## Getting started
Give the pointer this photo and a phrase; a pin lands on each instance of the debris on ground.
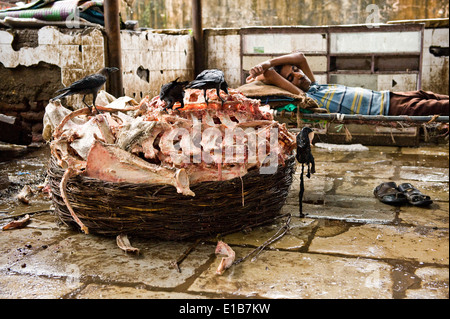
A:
(124, 243)
(17, 223)
(25, 194)
(223, 249)
(342, 147)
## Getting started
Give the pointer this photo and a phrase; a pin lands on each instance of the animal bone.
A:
(226, 262)
(25, 194)
(17, 223)
(124, 243)
(70, 172)
(112, 164)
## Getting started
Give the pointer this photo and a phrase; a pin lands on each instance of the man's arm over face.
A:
(264, 72)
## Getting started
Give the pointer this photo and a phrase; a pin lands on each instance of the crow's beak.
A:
(113, 69)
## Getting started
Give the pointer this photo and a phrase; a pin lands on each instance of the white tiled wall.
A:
(165, 58)
(77, 53)
(168, 56)
(435, 71)
(223, 52)
(375, 42)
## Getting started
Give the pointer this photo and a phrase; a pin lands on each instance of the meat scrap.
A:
(112, 164)
(124, 243)
(223, 249)
(70, 172)
(233, 137)
(208, 142)
(148, 143)
(17, 223)
(25, 194)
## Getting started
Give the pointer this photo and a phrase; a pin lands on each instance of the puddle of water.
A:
(10, 151)
(422, 160)
(404, 278)
(331, 228)
(15, 173)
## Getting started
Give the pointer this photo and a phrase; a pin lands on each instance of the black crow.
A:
(173, 92)
(90, 84)
(439, 51)
(304, 156)
(210, 79)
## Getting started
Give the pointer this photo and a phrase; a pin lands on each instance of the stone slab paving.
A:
(350, 245)
(279, 274)
(426, 245)
(436, 216)
(85, 256)
(15, 286)
(105, 291)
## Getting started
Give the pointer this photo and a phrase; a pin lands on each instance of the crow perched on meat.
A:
(173, 92)
(90, 84)
(210, 79)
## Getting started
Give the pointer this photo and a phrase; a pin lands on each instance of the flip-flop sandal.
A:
(414, 196)
(388, 193)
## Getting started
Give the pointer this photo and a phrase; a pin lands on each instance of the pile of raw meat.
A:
(142, 143)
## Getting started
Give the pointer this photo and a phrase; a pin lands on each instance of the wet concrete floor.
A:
(349, 246)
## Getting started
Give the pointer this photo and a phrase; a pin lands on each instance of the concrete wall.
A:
(435, 69)
(34, 63)
(176, 14)
(76, 53)
(223, 51)
(150, 60)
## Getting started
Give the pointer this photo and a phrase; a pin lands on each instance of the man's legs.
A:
(418, 103)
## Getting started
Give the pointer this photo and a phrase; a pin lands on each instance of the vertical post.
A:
(113, 46)
(197, 29)
(419, 76)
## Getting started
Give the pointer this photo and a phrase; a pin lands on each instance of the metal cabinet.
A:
(385, 57)
(259, 44)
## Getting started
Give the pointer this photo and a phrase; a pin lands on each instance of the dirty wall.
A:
(151, 59)
(34, 63)
(223, 51)
(435, 70)
(170, 14)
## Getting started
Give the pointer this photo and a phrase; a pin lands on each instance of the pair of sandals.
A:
(390, 193)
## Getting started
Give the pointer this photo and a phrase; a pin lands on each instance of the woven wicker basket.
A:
(158, 211)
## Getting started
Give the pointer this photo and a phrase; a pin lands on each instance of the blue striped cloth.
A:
(349, 100)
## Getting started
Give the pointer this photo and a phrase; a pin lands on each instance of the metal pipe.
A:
(358, 117)
(113, 46)
(197, 30)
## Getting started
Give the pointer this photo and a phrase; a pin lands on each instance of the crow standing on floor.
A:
(304, 156)
(210, 79)
(173, 92)
(90, 84)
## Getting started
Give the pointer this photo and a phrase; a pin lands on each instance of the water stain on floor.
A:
(349, 245)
